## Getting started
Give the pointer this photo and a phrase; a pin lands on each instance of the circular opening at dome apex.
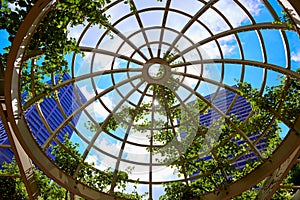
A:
(156, 71)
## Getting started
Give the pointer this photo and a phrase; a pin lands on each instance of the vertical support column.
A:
(26, 167)
(273, 182)
(24, 163)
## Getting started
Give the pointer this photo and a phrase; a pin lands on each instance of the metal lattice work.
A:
(147, 77)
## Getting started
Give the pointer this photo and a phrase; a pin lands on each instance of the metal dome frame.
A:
(15, 123)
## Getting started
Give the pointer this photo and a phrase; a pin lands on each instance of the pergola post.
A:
(24, 163)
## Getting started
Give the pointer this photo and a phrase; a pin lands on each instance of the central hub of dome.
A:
(156, 71)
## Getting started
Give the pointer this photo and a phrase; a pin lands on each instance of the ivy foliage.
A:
(285, 18)
(209, 174)
(69, 159)
(45, 56)
(283, 98)
(211, 168)
(295, 174)
(11, 187)
(49, 189)
(216, 170)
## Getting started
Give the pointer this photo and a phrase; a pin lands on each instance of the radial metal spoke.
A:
(240, 29)
(268, 66)
(114, 180)
(189, 24)
(66, 121)
(40, 96)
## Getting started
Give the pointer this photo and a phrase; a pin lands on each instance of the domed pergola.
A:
(141, 82)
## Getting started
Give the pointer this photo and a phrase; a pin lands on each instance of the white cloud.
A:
(216, 24)
(138, 136)
(102, 161)
(234, 13)
(159, 173)
(88, 95)
(295, 56)
(75, 31)
(92, 159)
(213, 20)
(13, 6)
(132, 153)
(253, 6)
(165, 173)
(228, 49)
(117, 11)
(101, 62)
(96, 109)
(210, 71)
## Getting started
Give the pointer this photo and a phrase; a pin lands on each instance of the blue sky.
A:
(4, 40)
(229, 46)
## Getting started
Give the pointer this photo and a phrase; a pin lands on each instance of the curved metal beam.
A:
(19, 126)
